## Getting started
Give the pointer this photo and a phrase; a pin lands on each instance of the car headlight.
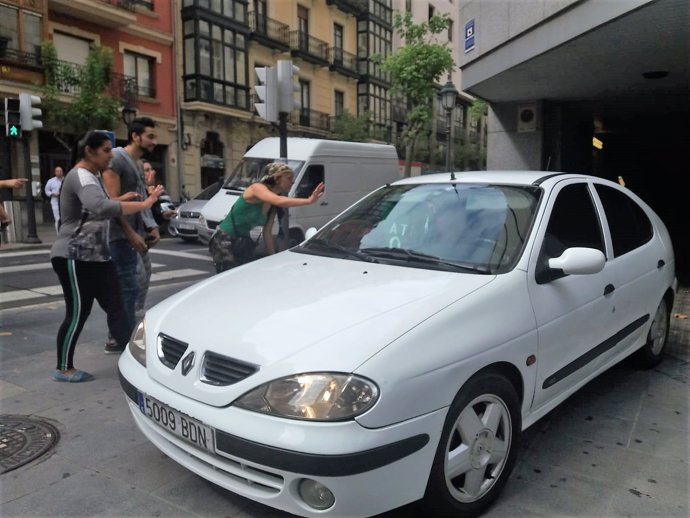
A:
(315, 396)
(202, 220)
(137, 343)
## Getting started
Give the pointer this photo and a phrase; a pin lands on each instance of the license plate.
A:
(185, 226)
(185, 427)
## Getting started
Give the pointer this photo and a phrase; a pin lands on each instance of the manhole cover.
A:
(23, 439)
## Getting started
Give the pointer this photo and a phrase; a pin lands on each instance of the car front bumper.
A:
(265, 458)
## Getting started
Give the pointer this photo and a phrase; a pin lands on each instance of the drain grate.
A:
(23, 439)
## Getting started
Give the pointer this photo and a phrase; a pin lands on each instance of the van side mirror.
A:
(311, 232)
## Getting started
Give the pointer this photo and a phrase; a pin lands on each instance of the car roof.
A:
(492, 177)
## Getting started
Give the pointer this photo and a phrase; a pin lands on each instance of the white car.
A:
(397, 354)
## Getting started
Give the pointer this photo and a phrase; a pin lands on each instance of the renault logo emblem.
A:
(187, 363)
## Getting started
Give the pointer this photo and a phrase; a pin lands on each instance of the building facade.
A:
(140, 35)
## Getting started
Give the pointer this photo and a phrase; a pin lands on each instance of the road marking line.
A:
(45, 291)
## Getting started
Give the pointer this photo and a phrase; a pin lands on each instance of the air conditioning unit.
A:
(527, 118)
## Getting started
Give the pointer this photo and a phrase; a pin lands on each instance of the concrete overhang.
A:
(571, 58)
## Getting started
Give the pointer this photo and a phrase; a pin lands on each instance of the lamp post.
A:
(448, 96)
(129, 113)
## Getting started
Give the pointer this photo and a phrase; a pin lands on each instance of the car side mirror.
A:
(579, 261)
(573, 261)
(311, 232)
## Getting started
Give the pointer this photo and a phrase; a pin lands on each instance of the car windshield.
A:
(209, 192)
(453, 227)
(250, 170)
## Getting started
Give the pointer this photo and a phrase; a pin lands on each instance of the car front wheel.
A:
(477, 449)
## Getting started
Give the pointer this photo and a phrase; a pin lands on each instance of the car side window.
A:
(573, 223)
(629, 225)
(312, 177)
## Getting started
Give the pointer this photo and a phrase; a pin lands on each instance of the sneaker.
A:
(113, 348)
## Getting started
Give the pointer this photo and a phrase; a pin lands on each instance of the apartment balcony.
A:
(308, 48)
(11, 56)
(269, 32)
(67, 78)
(106, 13)
(353, 7)
(343, 62)
(312, 119)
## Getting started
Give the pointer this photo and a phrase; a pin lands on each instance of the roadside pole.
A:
(31, 234)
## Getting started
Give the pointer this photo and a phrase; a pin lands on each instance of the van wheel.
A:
(652, 352)
(477, 449)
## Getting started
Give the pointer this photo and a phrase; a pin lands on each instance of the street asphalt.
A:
(619, 447)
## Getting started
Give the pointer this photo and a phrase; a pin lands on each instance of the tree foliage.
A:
(353, 128)
(93, 105)
(415, 69)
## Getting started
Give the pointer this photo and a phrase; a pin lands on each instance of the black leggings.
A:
(82, 282)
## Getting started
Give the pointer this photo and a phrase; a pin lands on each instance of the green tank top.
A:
(246, 215)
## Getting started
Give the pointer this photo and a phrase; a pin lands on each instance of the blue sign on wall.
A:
(469, 35)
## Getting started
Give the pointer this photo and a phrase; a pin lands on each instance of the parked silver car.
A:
(184, 224)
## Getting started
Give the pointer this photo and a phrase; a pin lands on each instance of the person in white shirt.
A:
(52, 190)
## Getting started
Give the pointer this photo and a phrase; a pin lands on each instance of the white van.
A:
(349, 171)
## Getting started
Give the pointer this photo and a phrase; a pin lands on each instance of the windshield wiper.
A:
(419, 257)
(325, 243)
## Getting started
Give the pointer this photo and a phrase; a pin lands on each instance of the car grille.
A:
(221, 370)
(170, 350)
(189, 214)
(211, 224)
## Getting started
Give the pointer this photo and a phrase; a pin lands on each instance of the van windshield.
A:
(250, 170)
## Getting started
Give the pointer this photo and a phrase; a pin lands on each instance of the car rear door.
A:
(574, 313)
(637, 261)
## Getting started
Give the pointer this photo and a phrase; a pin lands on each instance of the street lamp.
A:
(129, 113)
(448, 96)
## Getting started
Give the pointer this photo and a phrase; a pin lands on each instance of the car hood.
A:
(293, 313)
(192, 206)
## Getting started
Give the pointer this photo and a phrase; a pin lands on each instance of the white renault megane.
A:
(397, 354)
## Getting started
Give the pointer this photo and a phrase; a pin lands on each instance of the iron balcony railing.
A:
(67, 77)
(312, 119)
(308, 45)
(354, 7)
(269, 28)
(340, 59)
(17, 56)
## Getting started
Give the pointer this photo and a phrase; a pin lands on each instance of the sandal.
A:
(77, 377)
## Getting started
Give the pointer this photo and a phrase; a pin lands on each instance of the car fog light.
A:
(316, 495)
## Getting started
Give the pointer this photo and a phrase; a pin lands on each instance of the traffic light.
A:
(267, 90)
(287, 87)
(31, 115)
(13, 121)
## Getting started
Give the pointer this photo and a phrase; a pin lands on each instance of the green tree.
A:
(94, 105)
(353, 128)
(415, 70)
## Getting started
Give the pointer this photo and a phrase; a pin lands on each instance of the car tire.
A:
(652, 352)
(477, 449)
(296, 237)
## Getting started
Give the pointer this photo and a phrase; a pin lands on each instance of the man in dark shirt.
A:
(131, 236)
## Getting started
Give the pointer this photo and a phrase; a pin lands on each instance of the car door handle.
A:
(609, 289)
(661, 264)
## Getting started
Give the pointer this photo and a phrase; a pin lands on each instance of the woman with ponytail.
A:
(80, 255)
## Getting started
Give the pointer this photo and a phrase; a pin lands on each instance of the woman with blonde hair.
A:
(232, 245)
